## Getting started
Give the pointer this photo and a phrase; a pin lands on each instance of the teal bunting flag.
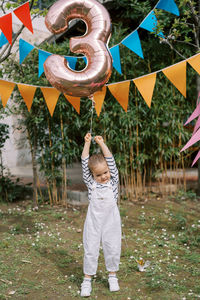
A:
(42, 57)
(3, 40)
(150, 23)
(116, 58)
(71, 61)
(132, 42)
(24, 49)
(168, 5)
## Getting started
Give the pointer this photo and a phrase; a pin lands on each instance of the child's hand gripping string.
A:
(99, 140)
(86, 147)
(88, 137)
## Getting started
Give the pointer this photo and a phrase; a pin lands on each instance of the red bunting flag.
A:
(23, 14)
(6, 26)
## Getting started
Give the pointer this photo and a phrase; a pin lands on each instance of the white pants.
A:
(102, 224)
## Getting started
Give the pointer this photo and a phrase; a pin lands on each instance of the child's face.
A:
(101, 173)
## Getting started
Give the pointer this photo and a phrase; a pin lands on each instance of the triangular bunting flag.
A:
(85, 59)
(194, 115)
(177, 75)
(51, 97)
(99, 99)
(42, 58)
(196, 158)
(195, 138)
(168, 5)
(27, 92)
(3, 40)
(72, 61)
(23, 14)
(195, 63)
(197, 125)
(145, 86)
(75, 102)
(6, 89)
(6, 26)
(121, 92)
(132, 42)
(116, 58)
(150, 23)
(24, 49)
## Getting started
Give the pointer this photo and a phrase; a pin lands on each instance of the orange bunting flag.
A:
(177, 75)
(23, 14)
(145, 85)
(75, 102)
(51, 97)
(27, 92)
(6, 26)
(121, 92)
(195, 63)
(6, 89)
(99, 99)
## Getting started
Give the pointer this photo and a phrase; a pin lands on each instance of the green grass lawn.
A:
(41, 251)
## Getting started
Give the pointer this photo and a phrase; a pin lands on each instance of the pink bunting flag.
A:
(194, 115)
(197, 125)
(196, 158)
(195, 138)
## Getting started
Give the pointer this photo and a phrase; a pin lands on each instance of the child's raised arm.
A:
(99, 140)
(86, 147)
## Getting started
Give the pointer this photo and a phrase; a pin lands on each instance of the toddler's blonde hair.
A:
(96, 159)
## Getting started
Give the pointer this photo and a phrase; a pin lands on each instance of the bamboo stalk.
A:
(64, 178)
(54, 188)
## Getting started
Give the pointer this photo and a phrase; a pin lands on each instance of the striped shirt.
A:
(89, 180)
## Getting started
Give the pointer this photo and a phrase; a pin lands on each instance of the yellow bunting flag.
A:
(27, 92)
(75, 102)
(121, 92)
(145, 85)
(51, 97)
(195, 63)
(6, 89)
(177, 75)
(99, 99)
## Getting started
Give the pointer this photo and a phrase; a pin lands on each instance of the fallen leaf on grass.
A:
(142, 265)
(6, 281)
(11, 292)
(26, 261)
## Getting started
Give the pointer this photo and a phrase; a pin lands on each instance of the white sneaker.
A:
(86, 287)
(113, 283)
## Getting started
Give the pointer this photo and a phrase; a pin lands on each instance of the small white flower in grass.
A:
(69, 287)
(33, 244)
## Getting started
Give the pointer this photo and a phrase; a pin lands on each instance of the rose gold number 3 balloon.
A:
(92, 44)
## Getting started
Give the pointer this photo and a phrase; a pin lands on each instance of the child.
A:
(102, 222)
